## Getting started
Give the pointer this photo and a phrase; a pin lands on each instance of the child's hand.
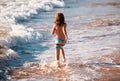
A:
(66, 38)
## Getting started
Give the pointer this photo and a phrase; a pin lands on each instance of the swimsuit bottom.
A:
(59, 43)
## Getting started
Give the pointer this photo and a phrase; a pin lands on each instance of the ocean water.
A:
(93, 28)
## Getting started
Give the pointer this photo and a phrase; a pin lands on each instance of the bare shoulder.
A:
(65, 25)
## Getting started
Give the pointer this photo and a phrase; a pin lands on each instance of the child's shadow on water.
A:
(28, 51)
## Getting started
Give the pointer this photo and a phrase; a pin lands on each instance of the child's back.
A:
(60, 31)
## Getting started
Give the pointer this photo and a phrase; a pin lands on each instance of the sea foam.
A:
(11, 12)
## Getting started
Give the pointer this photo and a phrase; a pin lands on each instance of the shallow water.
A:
(94, 35)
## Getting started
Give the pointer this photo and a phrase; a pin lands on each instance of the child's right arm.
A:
(53, 30)
(65, 32)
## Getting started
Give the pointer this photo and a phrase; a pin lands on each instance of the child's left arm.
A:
(53, 30)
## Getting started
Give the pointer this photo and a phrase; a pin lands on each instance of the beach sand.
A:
(107, 71)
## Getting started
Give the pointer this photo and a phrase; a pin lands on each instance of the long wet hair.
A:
(59, 19)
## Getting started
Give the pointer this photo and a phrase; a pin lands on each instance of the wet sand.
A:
(110, 71)
(105, 71)
(115, 4)
(38, 70)
(98, 22)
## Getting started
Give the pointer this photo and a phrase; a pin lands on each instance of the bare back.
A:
(60, 31)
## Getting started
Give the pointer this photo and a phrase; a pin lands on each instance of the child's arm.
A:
(65, 32)
(53, 30)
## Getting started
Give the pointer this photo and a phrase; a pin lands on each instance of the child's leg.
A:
(57, 54)
(57, 57)
(63, 55)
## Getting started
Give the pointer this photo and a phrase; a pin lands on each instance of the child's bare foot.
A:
(64, 60)
(58, 64)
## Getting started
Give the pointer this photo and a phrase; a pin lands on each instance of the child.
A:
(59, 30)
